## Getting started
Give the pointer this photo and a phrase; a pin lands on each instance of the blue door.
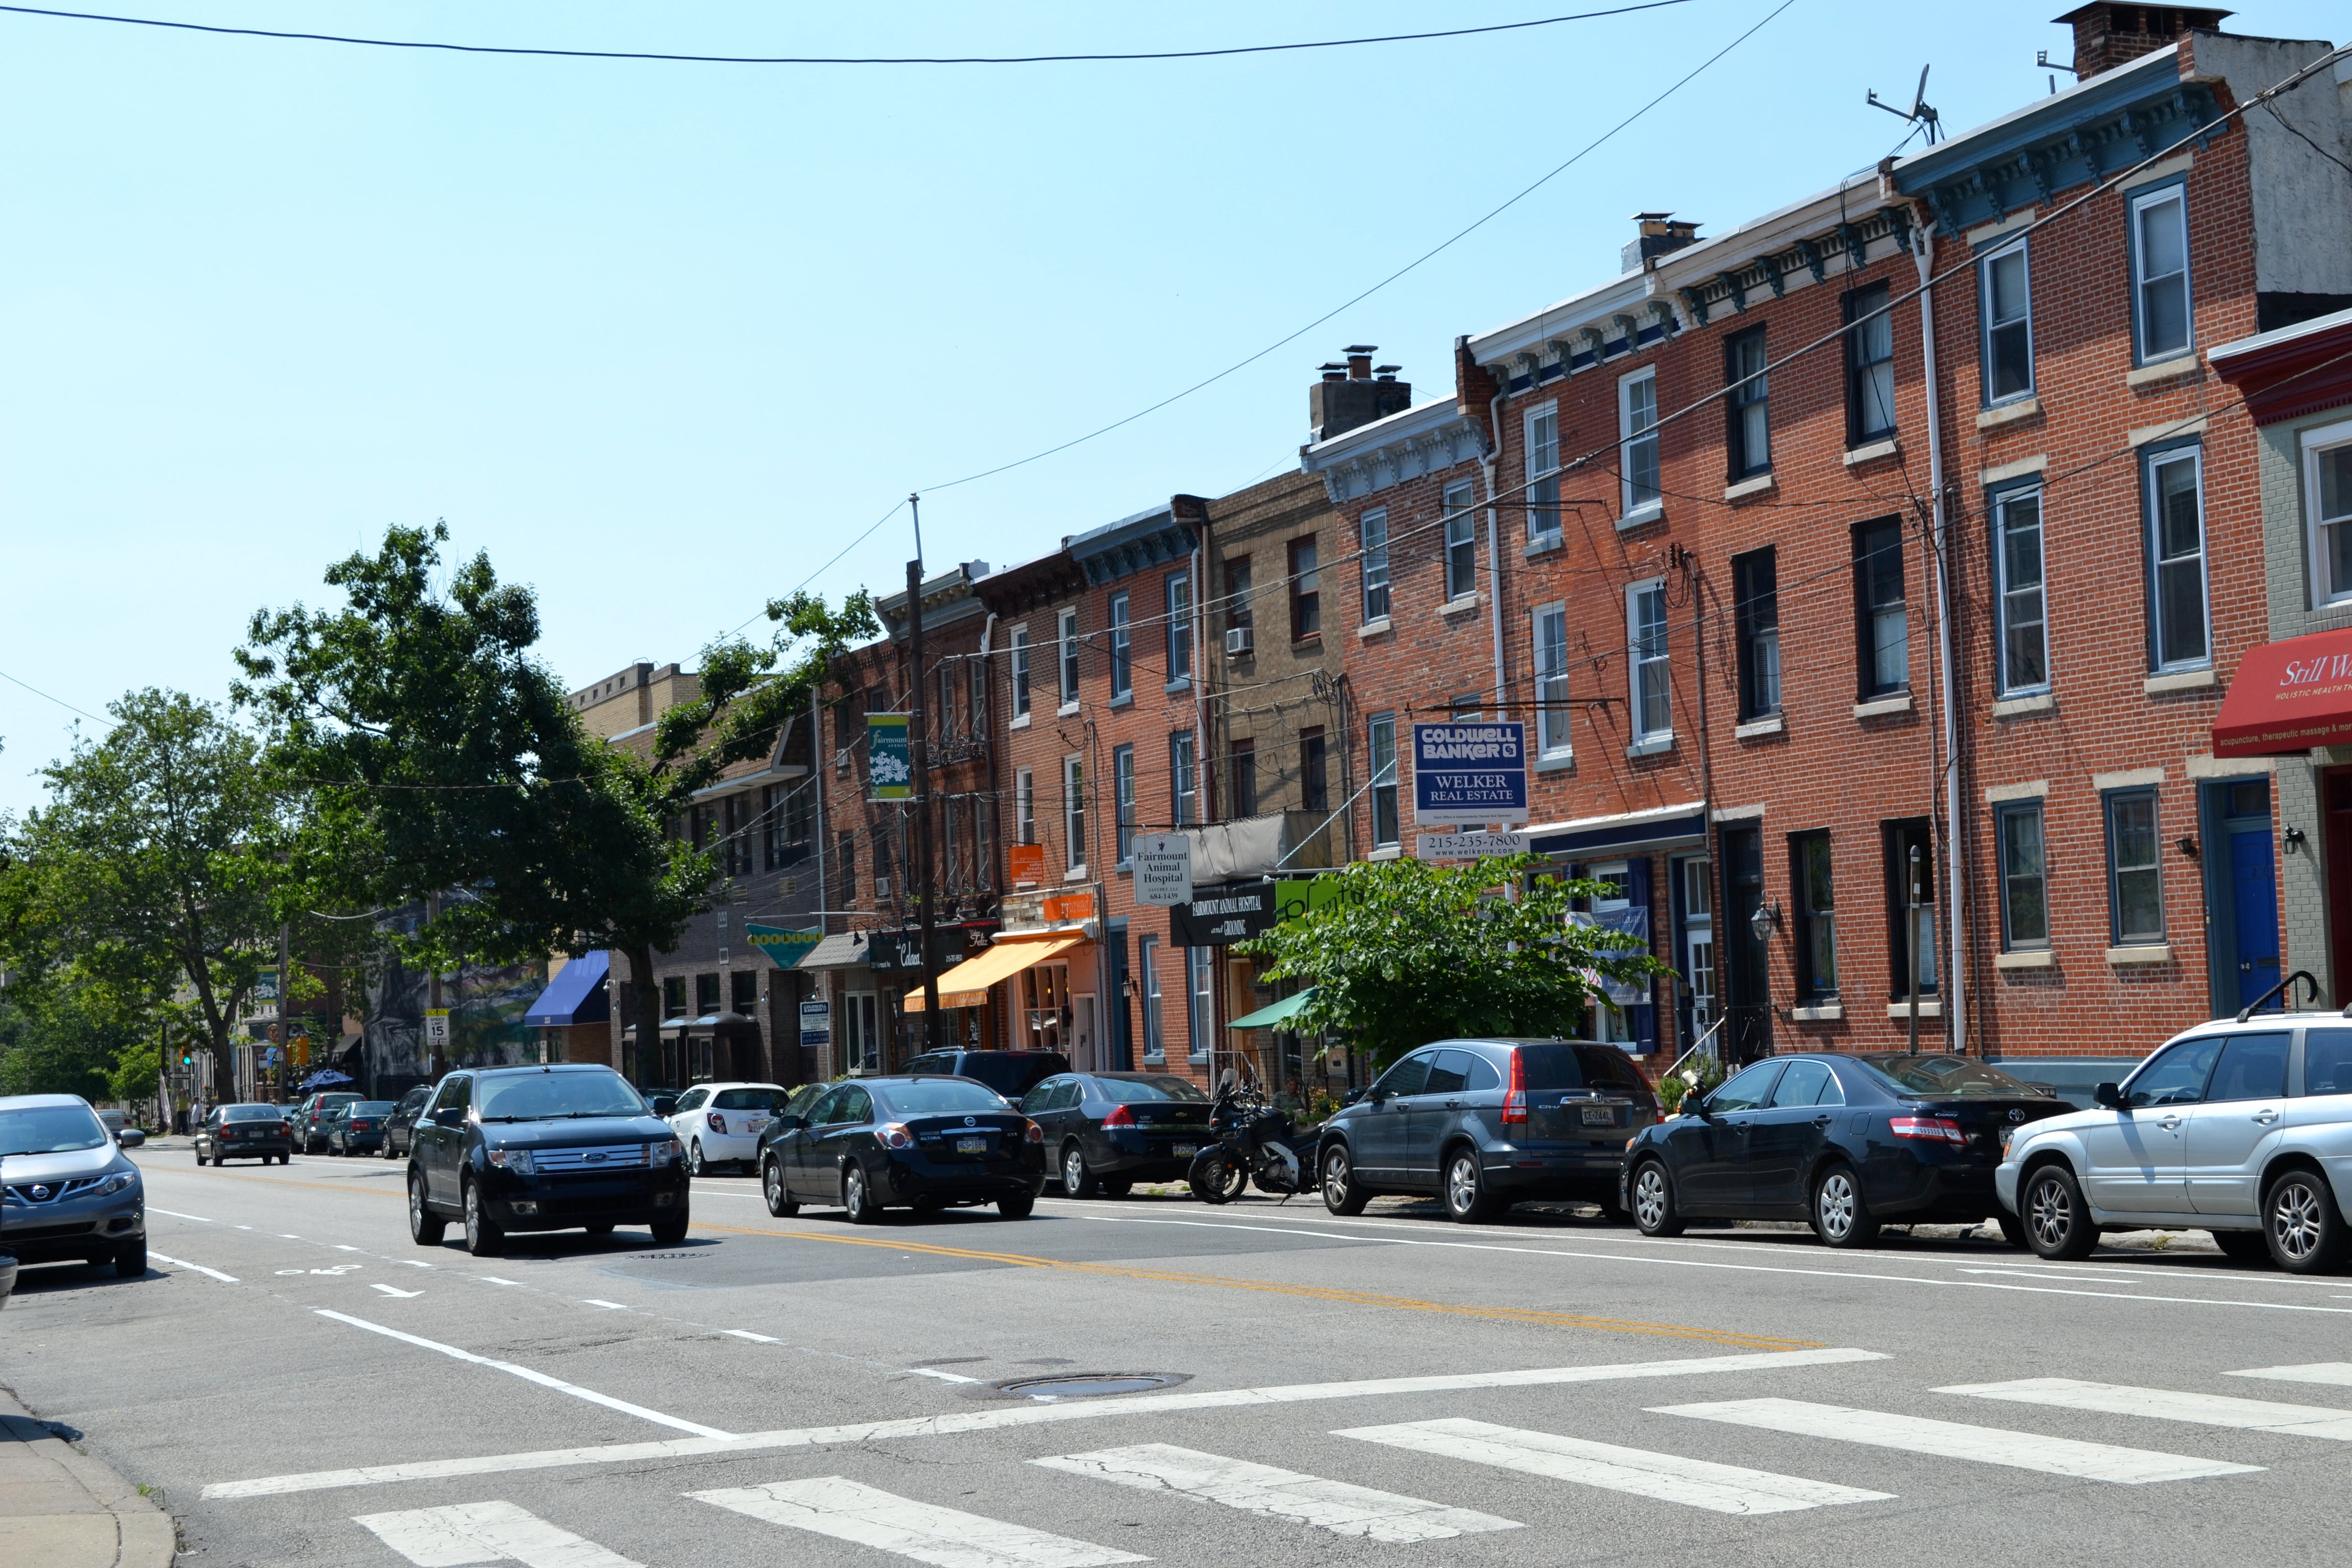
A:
(2253, 907)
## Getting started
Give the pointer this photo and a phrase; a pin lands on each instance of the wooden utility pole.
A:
(919, 758)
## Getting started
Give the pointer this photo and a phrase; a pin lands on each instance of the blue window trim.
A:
(1122, 649)
(2002, 814)
(2133, 197)
(2150, 455)
(1984, 253)
(2108, 800)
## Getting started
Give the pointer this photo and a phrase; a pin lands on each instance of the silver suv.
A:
(67, 1190)
(2240, 1129)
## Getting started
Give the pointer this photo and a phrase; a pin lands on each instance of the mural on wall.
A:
(486, 1002)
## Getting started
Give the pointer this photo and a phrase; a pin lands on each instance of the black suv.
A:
(542, 1148)
(1010, 1073)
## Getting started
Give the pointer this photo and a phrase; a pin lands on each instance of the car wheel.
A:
(1341, 1193)
(483, 1237)
(1077, 1182)
(2243, 1245)
(2057, 1219)
(694, 1165)
(671, 1231)
(1216, 1177)
(1655, 1213)
(425, 1227)
(1840, 1214)
(780, 1202)
(1017, 1207)
(857, 1196)
(130, 1259)
(2302, 1224)
(1466, 1197)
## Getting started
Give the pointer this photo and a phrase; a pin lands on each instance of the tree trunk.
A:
(649, 1010)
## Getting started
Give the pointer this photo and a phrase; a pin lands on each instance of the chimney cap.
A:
(1386, 369)
(1363, 348)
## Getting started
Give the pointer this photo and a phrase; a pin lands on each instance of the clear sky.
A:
(664, 338)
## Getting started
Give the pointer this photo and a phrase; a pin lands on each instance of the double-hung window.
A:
(1755, 619)
(1372, 529)
(1024, 806)
(1645, 636)
(2134, 868)
(2024, 877)
(1180, 628)
(1306, 596)
(2327, 493)
(1122, 672)
(1550, 626)
(1637, 441)
(2174, 483)
(1882, 622)
(1183, 779)
(1067, 638)
(1237, 595)
(1748, 433)
(1543, 474)
(2161, 323)
(1461, 542)
(2023, 650)
(1314, 770)
(1074, 812)
(1122, 775)
(1240, 779)
(1147, 964)
(1200, 1011)
(1020, 652)
(1817, 977)
(1380, 743)
(2005, 306)
(1869, 366)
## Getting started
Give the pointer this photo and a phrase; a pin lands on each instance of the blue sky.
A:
(664, 338)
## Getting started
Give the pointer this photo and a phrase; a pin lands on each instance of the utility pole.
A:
(285, 996)
(440, 1062)
(918, 756)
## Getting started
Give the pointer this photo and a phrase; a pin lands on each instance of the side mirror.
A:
(1353, 1095)
(448, 1116)
(1696, 1104)
(665, 1105)
(791, 1124)
(130, 1138)
(2109, 1095)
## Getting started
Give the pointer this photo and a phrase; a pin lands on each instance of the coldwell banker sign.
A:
(1469, 773)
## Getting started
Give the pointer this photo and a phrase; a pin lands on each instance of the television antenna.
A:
(1919, 113)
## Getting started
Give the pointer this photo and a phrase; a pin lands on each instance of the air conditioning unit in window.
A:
(1237, 641)
(881, 887)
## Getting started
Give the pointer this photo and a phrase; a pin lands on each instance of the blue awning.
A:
(577, 995)
(1656, 828)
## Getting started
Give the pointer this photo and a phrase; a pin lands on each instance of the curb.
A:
(62, 1508)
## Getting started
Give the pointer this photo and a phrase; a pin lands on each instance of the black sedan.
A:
(312, 1118)
(358, 1128)
(400, 1126)
(243, 1133)
(925, 1143)
(1848, 1142)
(1109, 1130)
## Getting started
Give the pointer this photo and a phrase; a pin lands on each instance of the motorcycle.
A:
(1255, 1142)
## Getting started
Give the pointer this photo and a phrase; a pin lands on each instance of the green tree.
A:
(1412, 952)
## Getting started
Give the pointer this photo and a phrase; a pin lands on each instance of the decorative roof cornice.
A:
(1044, 580)
(1420, 440)
(1818, 240)
(1130, 545)
(1618, 317)
(2291, 371)
(947, 598)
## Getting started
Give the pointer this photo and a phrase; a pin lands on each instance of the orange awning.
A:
(2288, 697)
(966, 986)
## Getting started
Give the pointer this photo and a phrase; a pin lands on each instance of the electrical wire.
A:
(58, 700)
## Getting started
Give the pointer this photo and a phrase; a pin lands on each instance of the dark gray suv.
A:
(1488, 1123)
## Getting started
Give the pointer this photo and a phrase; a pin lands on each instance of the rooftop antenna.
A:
(1919, 113)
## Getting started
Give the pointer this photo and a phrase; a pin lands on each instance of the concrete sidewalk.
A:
(61, 1508)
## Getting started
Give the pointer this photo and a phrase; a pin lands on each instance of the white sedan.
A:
(720, 1123)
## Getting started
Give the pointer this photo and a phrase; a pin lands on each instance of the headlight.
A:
(515, 1160)
(117, 1182)
(666, 1151)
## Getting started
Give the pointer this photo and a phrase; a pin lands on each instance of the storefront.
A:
(575, 1014)
(895, 956)
(1040, 974)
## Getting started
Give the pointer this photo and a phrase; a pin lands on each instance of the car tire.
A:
(1342, 1193)
(1216, 1177)
(1840, 1214)
(694, 1165)
(1468, 1198)
(483, 1237)
(671, 1231)
(2057, 1217)
(857, 1196)
(425, 1227)
(1116, 1189)
(2012, 1229)
(1077, 1182)
(130, 1259)
(1656, 1212)
(2302, 1225)
(1017, 1207)
(2243, 1245)
(780, 1202)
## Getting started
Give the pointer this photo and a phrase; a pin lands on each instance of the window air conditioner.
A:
(1237, 641)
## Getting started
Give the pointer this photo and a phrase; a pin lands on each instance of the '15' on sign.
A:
(1470, 772)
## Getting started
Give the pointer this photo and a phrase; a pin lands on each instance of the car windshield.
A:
(544, 1096)
(50, 1130)
(935, 1096)
(766, 1096)
(373, 1108)
(1135, 1090)
(1947, 1075)
(252, 1113)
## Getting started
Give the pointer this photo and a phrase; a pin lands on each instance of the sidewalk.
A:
(61, 1508)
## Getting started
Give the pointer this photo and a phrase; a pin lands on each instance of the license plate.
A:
(1599, 1116)
(1185, 1151)
(757, 1122)
(971, 1145)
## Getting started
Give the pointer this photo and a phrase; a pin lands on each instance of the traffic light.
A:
(187, 1056)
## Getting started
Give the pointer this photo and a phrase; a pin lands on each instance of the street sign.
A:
(889, 763)
(1470, 773)
(817, 1023)
(1163, 870)
(437, 1027)
(1471, 845)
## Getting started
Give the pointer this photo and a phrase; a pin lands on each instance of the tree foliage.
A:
(1414, 951)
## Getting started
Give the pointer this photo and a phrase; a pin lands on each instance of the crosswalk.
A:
(1829, 1447)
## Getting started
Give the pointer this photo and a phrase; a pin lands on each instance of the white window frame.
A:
(1461, 507)
(2141, 201)
(1545, 418)
(2316, 443)
(1123, 651)
(2010, 685)
(1637, 434)
(2150, 510)
(1073, 813)
(1178, 594)
(1122, 788)
(1642, 667)
(1696, 875)
(1987, 325)
(1024, 806)
(1548, 662)
(1065, 639)
(1184, 778)
(1375, 727)
(1155, 1030)
(1372, 534)
(1199, 1000)
(1017, 647)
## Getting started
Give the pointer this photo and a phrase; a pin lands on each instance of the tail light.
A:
(717, 1122)
(1515, 1102)
(895, 1135)
(1940, 1128)
(1120, 1116)
(1036, 1134)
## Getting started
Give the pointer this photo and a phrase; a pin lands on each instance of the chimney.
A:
(1354, 392)
(1659, 233)
(2107, 36)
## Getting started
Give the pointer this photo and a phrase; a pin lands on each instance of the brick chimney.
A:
(1354, 392)
(1658, 234)
(2107, 36)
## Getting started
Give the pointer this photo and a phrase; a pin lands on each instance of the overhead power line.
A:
(1086, 58)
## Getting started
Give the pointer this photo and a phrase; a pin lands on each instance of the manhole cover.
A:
(1088, 1384)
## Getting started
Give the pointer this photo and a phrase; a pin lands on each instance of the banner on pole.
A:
(890, 762)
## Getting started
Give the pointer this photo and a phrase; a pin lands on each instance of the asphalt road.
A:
(304, 1386)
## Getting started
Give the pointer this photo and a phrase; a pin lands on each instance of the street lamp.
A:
(1762, 923)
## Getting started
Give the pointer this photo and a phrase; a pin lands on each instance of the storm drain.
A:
(1087, 1384)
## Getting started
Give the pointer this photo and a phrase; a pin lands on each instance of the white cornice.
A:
(1767, 236)
(1544, 333)
(1420, 440)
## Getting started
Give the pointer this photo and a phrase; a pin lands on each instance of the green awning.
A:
(1279, 1012)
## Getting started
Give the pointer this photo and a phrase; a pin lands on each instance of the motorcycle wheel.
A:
(1217, 1178)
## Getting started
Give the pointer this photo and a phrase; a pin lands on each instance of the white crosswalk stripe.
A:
(1668, 1477)
(1334, 1505)
(475, 1532)
(943, 1537)
(2337, 1373)
(2167, 1404)
(1954, 1440)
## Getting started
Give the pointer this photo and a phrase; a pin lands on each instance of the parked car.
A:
(399, 1125)
(1107, 1130)
(927, 1142)
(2240, 1129)
(310, 1118)
(1012, 1074)
(247, 1132)
(720, 1123)
(1487, 1123)
(1847, 1143)
(8, 1278)
(358, 1128)
(560, 1147)
(794, 1112)
(119, 1127)
(663, 1100)
(67, 1189)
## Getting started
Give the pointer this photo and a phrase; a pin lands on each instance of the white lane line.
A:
(1667, 1478)
(412, 1263)
(608, 1306)
(283, 1236)
(942, 1376)
(200, 1219)
(471, 1532)
(1019, 1415)
(394, 1291)
(494, 1279)
(2036, 1274)
(2337, 1374)
(1953, 1441)
(943, 1537)
(543, 1379)
(747, 1334)
(1334, 1505)
(2167, 1404)
(197, 1267)
(342, 1247)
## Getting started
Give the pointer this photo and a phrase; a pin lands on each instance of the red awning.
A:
(2288, 697)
